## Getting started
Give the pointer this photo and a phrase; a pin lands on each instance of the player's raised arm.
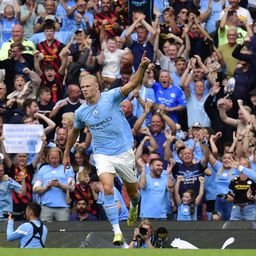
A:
(137, 77)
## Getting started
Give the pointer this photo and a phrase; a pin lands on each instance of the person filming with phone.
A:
(52, 183)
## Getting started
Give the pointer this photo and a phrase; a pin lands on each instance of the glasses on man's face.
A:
(184, 12)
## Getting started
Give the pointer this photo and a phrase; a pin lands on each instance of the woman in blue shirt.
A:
(224, 174)
(52, 183)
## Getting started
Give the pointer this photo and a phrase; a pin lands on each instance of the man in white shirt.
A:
(243, 14)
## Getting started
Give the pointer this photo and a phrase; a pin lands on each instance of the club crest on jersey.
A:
(95, 112)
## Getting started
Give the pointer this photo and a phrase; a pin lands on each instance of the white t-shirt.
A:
(167, 64)
(242, 14)
(111, 65)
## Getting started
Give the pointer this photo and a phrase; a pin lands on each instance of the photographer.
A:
(143, 237)
(31, 234)
(161, 238)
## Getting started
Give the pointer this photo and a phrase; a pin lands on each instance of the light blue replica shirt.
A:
(161, 6)
(54, 197)
(209, 185)
(6, 203)
(223, 178)
(169, 201)
(61, 12)
(6, 29)
(175, 79)
(184, 212)
(154, 197)
(24, 232)
(210, 23)
(111, 133)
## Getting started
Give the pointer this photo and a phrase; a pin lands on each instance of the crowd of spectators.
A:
(192, 116)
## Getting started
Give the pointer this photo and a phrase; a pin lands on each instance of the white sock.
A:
(116, 229)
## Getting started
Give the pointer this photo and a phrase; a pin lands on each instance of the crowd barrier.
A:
(200, 234)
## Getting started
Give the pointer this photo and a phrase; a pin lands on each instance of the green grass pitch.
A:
(123, 252)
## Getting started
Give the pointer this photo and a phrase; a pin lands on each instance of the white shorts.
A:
(123, 164)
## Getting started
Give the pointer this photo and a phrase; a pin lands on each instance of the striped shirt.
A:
(51, 53)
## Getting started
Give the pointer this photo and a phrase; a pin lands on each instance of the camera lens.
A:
(143, 231)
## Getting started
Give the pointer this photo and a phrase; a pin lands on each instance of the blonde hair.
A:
(55, 149)
(247, 161)
(82, 175)
(248, 109)
(222, 168)
(16, 157)
(148, 223)
(70, 116)
(93, 79)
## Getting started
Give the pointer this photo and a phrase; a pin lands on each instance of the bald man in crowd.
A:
(17, 37)
(127, 108)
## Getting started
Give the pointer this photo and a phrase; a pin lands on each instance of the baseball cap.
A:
(50, 17)
(80, 30)
(196, 125)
